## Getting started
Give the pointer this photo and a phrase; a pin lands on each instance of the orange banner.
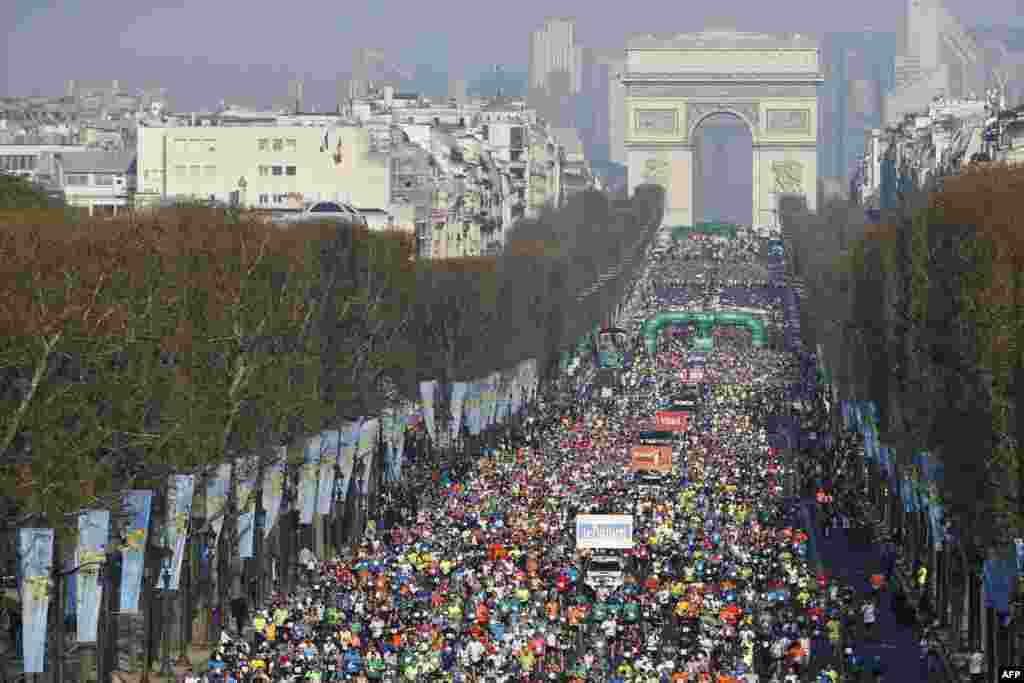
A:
(672, 421)
(655, 458)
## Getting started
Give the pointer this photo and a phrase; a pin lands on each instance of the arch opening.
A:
(723, 162)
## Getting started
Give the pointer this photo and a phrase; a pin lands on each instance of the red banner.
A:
(656, 458)
(671, 421)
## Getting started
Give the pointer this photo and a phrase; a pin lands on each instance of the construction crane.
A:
(365, 59)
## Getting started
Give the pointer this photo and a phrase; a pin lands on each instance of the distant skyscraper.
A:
(922, 29)
(295, 94)
(596, 107)
(937, 56)
(457, 90)
(553, 48)
(859, 69)
(617, 113)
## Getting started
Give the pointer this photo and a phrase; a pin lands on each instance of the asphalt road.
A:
(895, 643)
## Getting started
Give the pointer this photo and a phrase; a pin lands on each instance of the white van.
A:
(605, 572)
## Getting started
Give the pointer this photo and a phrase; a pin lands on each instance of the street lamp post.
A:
(208, 539)
(242, 184)
(165, 665)
(107, 635)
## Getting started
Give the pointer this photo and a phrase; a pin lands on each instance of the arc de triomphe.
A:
(770, 83)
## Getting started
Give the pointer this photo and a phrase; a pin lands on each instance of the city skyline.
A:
(141, 44)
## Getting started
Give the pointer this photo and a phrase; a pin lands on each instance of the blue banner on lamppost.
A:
(179, 510)
(35, 552)
(93, 533)
(137, 505)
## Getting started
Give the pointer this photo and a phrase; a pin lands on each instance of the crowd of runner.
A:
(484, 581)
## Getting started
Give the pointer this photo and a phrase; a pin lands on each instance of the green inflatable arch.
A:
(720, 229)
(705, 321)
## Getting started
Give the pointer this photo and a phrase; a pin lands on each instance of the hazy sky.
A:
(202, 50)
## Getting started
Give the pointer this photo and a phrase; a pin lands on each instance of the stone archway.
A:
(768, 82)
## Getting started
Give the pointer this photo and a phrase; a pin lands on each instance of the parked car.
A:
(332, 211)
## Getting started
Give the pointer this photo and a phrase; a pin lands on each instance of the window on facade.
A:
(290, 144)
(194, 146)
(516, 137)
(179, 145)
(210, 171)
(264, 171)
(194, 170)
(76, 179)
(181, 170)
(289, 170)
(264, 199)
(276, 170)
(263, 144)
(278, 144)
(104, 179)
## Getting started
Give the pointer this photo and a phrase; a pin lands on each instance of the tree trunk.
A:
(288, 529)
(257, 566)
(974, 608)
(57, 651)
(150, 578)
(184, 597)
(226, 545)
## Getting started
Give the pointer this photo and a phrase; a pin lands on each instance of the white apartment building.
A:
(102, 182)
(271, 166)
(35, 162)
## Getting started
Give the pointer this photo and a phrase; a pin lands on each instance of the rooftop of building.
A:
(504, 104)
(721, 39)
(93, 161)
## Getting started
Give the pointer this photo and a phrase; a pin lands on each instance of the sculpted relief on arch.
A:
(695, 111)
(789, 177)
(657, 170)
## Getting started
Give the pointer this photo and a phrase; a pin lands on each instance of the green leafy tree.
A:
(20, 193)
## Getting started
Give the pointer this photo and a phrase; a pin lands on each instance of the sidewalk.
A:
(11, 667)
(955, 662)
(197, 657)
(895, 643)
